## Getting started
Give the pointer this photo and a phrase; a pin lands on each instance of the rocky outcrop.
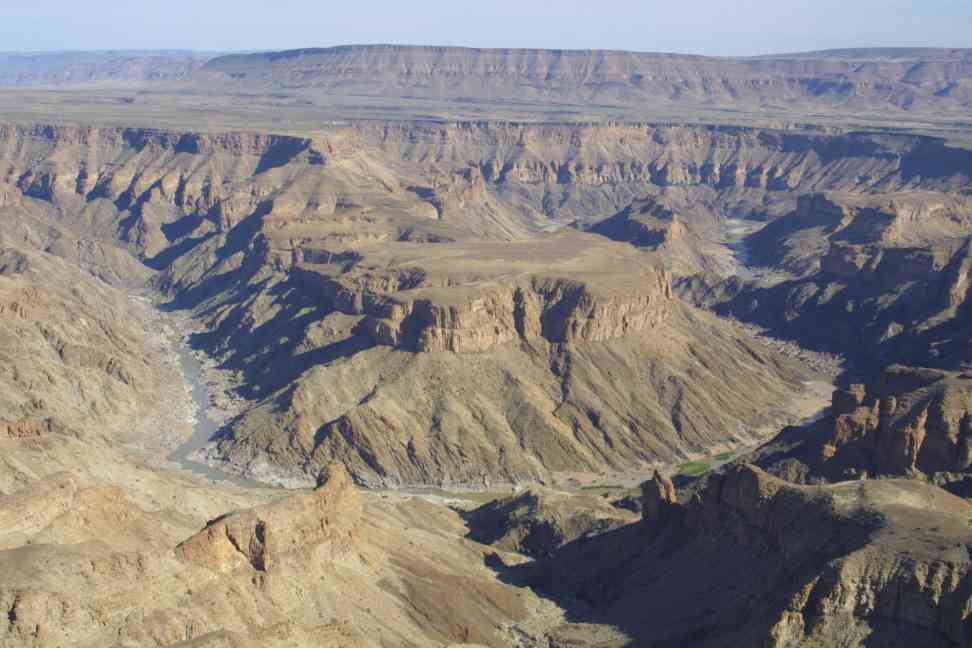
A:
(559, 311)
(889, 274)
(157, 177)
(374, 181)
(539, 521)
(427, 307)
(647, 224)
(264, 536)
(658, 499)
(662, 155)
(752, 560)
(84, 565)
(878, 583)
(28, 428)
(910, 422)
(846, 233)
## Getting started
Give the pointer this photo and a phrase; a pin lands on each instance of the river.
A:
(204, 428)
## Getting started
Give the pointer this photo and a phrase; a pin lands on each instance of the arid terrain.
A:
(374, 345)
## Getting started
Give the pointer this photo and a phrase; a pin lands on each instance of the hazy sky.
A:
(720, 27)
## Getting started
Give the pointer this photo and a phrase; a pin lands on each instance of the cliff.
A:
(562, 288)
(889, 275)
(753, 560)
(916, 79)
(908, 422)
(263, 537)
(344, 272)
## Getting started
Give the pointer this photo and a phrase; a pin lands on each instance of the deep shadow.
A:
(932, 158)
(238, 238)
(281, 152)
(169, 255)
(701, 576)
(266, 353)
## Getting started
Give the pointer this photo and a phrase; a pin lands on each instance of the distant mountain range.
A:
(908, 79)
(72, 68)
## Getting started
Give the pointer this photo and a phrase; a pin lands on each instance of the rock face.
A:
(910, 422)
(379, 263)
(497, 294)
(873, 78)
(85, 564)
(647, 225)
(753, 560)
(510, 175)
(75, 357)
(515, 412)
(658, 499)
(897, 437)
(889, 274)
(262, 537)
(826, 230)
(889, 277)
(538, 521)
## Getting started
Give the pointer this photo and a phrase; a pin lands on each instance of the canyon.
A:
(374, 379)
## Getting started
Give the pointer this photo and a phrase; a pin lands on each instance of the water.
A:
(205, 428)
(736, 230)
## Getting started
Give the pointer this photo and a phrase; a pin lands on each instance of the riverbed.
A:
(205, 428)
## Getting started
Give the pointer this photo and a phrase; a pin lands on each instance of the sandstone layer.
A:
(539, 521)
(903, 79)
(368, 258)
(888, 273)
(909, 422)
(754, 560)
(345, 272)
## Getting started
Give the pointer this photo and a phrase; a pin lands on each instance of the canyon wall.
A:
(896, 79)
(375, 264)
(887, 273)
(750, 559)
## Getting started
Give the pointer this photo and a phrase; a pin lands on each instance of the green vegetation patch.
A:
(693, 468)
(725, 456)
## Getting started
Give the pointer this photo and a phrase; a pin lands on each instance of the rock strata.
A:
(753, 560)
(264, 536)
(909, 422)
(459, 318)
(539, 521)
(658, 499)
(893, 79)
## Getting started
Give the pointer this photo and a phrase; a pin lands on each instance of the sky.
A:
(713, 27)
